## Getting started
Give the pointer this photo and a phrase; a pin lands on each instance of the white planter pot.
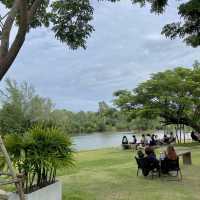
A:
(50, 192)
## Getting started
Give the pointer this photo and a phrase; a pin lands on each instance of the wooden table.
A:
(187, 158)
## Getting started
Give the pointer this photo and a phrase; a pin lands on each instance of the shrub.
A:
(38, 154)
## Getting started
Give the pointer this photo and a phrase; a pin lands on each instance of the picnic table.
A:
(186, 155)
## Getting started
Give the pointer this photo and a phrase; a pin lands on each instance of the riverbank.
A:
(110, 174)
(107, 140)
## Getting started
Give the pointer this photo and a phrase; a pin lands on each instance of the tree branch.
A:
(19, 39)
(5, 36)
(33, 10)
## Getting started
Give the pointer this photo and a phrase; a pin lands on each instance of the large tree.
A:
(68, 19)
(188, 26)
(173, 95)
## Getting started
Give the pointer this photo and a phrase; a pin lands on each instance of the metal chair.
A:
(138, 161)
(173, 166)
(147, 167)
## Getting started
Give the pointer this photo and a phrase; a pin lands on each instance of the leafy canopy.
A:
(68, 19)
(188, 27)
(173, 95)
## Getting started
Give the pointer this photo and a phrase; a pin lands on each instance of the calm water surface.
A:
(98, 140)
(104, 140)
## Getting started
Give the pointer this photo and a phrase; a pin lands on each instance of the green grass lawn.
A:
(110, 174)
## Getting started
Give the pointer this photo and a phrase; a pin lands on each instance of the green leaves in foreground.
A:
(38, 155)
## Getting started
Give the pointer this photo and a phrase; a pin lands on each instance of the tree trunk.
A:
(184, 133)
(180, 133)
(176, 128)
(8, 54)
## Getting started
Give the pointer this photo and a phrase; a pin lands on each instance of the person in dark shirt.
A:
(140, 153)
(151, 161)
(124, 140)
(172, 138)
(150, 153)
(152, 141)
(165, 139)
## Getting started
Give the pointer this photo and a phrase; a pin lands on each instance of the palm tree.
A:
(38, 154)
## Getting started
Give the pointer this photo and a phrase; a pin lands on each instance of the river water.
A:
(105, 140)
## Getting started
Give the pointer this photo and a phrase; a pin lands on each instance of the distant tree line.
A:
(21, 108)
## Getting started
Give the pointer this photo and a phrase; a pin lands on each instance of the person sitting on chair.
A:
(150, 153)
(134, 140)
(165, 139)
(152, 141)
(124, 140)
(170, 155)
(151, 161)
(140, 153)
(148, 138)
(172, 138)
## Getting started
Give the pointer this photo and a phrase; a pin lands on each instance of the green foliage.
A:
(69, 19)
(173, 95)
(21, 108)
(38, 154)
(143, 124)
(188, 27)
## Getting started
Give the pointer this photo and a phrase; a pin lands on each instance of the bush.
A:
(38, 155)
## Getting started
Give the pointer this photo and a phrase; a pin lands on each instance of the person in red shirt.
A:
(171, 153)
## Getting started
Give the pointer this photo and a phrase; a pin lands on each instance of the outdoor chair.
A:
(173, 166)
(147, 167)
(139, 165)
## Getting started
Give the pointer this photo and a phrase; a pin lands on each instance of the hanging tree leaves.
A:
(68, 19)
(188, 26)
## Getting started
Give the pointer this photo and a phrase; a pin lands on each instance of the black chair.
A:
(147, 167)
(139, 164)
(173, 165)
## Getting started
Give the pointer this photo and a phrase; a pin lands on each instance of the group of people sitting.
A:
(150, 140)
(150, 161)
(153, 139)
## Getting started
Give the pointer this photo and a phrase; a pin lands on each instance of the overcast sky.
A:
(124, 50)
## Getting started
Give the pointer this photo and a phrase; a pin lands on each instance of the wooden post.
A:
(11, 170)
(187, 160)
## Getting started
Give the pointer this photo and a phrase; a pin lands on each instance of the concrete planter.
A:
(50, 192)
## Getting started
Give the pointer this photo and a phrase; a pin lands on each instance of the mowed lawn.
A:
(110, 174)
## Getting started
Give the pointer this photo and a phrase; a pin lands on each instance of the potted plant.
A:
(37, 155)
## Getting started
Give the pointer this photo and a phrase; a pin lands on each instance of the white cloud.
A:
(123, 51)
